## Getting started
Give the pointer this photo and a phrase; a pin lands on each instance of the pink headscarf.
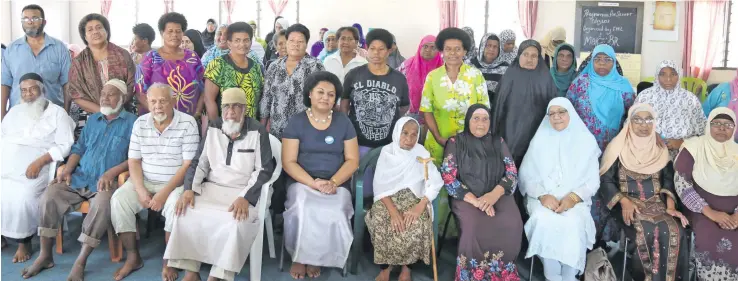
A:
(733, 99)
(416, 69)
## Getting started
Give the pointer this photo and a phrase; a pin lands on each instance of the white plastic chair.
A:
(265, 216)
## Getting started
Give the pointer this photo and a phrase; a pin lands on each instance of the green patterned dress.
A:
(224, 73)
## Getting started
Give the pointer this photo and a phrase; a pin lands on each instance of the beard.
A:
(159, 117)
(34, 109)
(231, 127)
(107, 110)
(33, 32)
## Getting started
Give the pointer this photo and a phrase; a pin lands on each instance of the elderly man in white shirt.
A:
(163, 144)
(216, 220)
(35, 133)
(347, 58)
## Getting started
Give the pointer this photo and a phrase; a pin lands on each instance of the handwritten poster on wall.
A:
(611, 25)
(665, 24)
(630, 63)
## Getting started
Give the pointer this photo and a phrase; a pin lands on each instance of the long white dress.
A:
(23, 141)
(558, 163)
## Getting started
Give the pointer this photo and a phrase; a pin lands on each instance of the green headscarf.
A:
(563, 80)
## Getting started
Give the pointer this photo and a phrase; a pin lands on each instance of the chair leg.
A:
(270, 235)
(532, 263)
(344, 272)
(115, 245)
(443, 236)
(356, 248)
(256, 256)
(281, 255)
(59, 238)
(625, 260)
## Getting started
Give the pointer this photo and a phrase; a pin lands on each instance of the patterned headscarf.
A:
(508, 35)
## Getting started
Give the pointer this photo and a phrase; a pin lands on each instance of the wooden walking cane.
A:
(425, 161)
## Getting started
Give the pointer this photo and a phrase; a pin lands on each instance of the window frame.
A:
(724, 52)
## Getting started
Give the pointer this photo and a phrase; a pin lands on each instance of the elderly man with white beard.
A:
(163, 144)
(90, 174)
(35, 133)
(219, 225)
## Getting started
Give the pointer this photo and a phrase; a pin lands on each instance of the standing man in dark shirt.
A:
(375, 97)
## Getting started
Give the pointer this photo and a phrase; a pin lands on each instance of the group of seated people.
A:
(523, 157)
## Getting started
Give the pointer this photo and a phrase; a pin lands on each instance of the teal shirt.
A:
(719, 97)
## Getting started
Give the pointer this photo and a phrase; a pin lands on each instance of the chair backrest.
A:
(696, 86)
(276, 146)
(370, 159)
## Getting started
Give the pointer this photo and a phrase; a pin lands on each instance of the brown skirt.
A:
(404, 248)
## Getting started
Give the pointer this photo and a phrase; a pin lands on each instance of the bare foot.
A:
(313, 271)
(40, 264)
(169, 274)
(405, 275)
(384, 275)
(133, 263)
(297, 270)
(23, 254)
(78, 272)
(192, 276)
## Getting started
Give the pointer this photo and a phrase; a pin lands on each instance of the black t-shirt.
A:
(374, 103)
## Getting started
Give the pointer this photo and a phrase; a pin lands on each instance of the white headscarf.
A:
(398, 169)
(680, 111)
(559, 162)
(715, 164)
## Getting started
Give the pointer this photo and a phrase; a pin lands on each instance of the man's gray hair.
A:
(41, 87)
(160, 86)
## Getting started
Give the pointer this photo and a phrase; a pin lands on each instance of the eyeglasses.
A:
(30, 20)
(557, 113)
(641, 121)
(603, 60)
(720, 125)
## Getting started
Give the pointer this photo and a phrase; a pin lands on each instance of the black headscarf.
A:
(208, 38)
(194, 36)
(522, 98)
(479, 160)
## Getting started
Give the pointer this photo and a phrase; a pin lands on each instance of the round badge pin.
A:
(329, 140)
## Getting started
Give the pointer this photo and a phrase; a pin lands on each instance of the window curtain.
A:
(709, 18)
(230, 5)
(449, 14)
(105, 7)
(168, 6)
(277, 6)
(528, 15)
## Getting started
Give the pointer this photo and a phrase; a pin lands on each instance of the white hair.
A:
(161, 86)
(107, 110)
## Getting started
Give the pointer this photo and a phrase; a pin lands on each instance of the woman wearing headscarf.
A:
(724, 95)
(318, 45)
(522, 97)
(208, 35)
(558, 177)
(447, 94)
(280, 23)
(680, 112)
(489, 62)
(400, 221)
(361, 42)
(395, 59)
(480, 175)
(551, 41)
(416, 69)
(637, 182)
(588, 59)
(707, 182)
(509, 49)
(564, 68)
(473, 52)
(330, 41)
(193, 42)
(601, 97)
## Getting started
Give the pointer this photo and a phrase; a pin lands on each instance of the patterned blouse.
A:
(224, 73)
(185, 76)
(457, 189)
(282, 95)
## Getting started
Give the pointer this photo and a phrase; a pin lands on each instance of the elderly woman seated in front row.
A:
(637, 181)
(479, 173)
(401, 227)
(559, 177)
(320, 154)
(707, 182)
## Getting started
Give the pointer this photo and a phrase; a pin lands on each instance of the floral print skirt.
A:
(391, 248)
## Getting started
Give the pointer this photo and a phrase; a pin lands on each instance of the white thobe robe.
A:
(23, 141)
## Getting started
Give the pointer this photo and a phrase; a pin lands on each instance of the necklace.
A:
(312, 116)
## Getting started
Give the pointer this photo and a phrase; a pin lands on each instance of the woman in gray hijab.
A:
(473, 52)
(395, 59)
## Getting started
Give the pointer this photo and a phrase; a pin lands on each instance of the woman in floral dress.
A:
(707, 182)
(479, 173)
(447, 94)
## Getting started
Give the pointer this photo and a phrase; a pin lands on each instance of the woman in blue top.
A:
(724, 95)
(601, 96)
